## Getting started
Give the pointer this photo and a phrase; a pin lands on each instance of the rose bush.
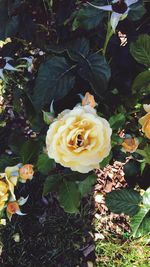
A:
(79, 139)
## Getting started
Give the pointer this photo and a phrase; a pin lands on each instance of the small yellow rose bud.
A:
(130, 144)
(12, 207)
(89, 100)
(26, 172)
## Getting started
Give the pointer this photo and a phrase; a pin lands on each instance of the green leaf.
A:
(69, 196)
(53, 82)
(140, 50)
(29, 151)
(145, 153)
(52, 183)
(131, 168)
(140, 223)
(146, 198)
(48, 117)
(78, 49)
(106, 160)
(141, 81)
(86, 185)
(45, 164)
(117, 121)
(8, 24)
(136, 11)
(88, 18)
(96, 71)
(123, 201)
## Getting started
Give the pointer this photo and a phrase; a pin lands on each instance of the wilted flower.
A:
(12, 175)
(130, 144)
(119, 9)
(89, 100)
(26, 173)
(145, 121)
(4, 65)
(79, 139)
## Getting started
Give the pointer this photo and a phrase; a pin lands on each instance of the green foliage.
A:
(96, 71)
(52, 183)
(115, 252)
(86, 185)
(45, 164)
(136, 11)
(106, 161)
(140, 50)
(145, 153)
(117, 121)
(55, 79)
(78, 49)
(87, 18)
(9, 24)
(29, 151)
(140, 222)
(131, 168)
(141, 82)
(123, 201)
(48, 117)
(69, 196)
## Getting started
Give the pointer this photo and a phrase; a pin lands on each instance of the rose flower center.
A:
(120, 7)
(2, 63)
(79, 138)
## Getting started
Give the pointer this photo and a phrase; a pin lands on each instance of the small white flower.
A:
(4, 65)
(119, 9)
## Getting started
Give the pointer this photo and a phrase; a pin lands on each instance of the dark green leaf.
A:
(69, 196)
(141, 81)
(29, 151)
(8, 24)
(96, 71)
(106, 161)
(88, 18)
(45, 164)
(123, 201)
(51, 183)
(78, 49)
(132, 168)
(54, 81)
(140, 50)
(86, 185)
(136, 11)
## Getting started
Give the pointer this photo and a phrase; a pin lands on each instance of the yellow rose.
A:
(145, 121)
(3, 194)
(79, 139)
(130, 144)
